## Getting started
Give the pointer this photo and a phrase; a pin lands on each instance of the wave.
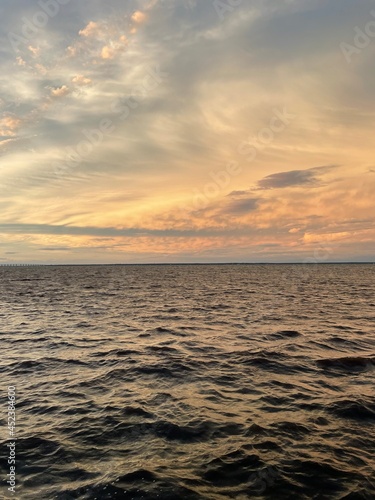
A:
(347, 364)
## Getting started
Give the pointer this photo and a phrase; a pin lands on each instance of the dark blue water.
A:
(190, 382)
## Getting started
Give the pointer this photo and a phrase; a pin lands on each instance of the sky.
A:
(162, 131)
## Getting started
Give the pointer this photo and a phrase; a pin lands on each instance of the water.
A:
(190, 382)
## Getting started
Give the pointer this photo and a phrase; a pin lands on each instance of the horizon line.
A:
(185, 263)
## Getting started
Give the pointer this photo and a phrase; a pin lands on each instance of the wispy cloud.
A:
(101, 231)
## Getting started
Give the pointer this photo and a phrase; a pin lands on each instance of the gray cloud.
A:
(104, 231)
(305, 178)
(238, 193)
(55, 249)
(242, 206)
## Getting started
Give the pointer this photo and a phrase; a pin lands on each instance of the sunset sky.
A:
(187, 131)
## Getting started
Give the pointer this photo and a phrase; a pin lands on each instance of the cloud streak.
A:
(102, 231)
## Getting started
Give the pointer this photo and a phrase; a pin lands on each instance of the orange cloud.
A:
(317, 238)
(110, 51)
(20, 61)
(34, 50)
(107, 52)
(138, 17)
(9, 125)
(81, 80)
(60, 91)
(92, 29)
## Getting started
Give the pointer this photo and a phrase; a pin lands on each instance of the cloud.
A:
(60, 91)
(238, 193)
(93, 29)
(41, 69)
(5, 142)
(34, 50)
(54, 249)
(242, 206)
(108, 52)
(9, 125)
(95, 231)
(81, 80)
(294, 178)
(138, 17)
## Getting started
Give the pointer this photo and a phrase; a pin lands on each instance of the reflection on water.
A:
(188, 382)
